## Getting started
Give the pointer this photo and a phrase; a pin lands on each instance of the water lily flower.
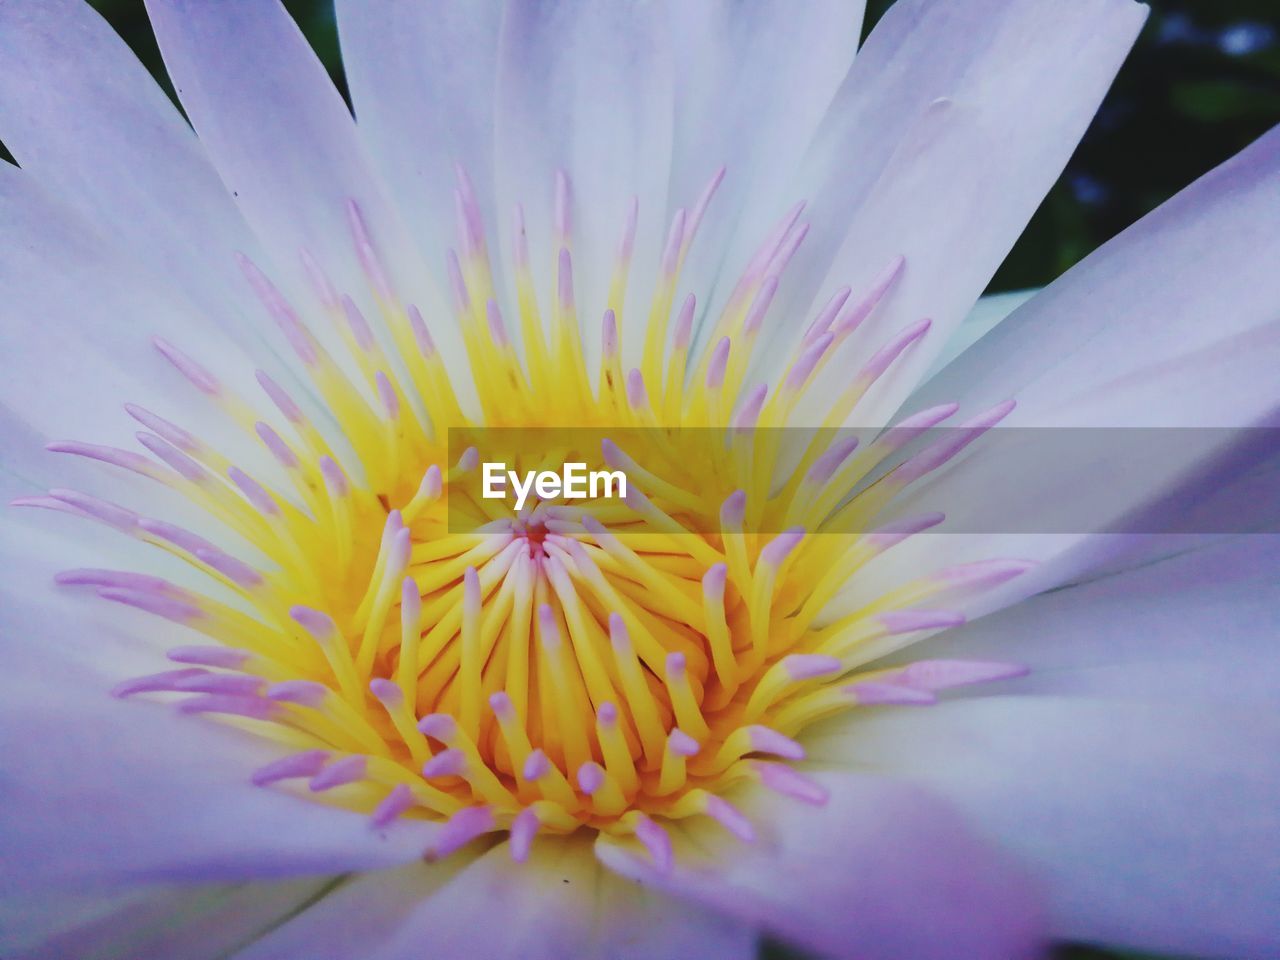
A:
(262, 697)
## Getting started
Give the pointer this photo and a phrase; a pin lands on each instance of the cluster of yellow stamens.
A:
(603, 664)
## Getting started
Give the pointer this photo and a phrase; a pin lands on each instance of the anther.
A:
(109, 513)
(127, 459)
(225, 657)
(118, 579)
(459, 830)
(822, 322)
(421, 335)
(637, 396)
(728, 816)
(387, 395)
(872, 693)
(983, 574)
(295, 766)
(605, 794)
(613, 745)
(656, 841)
(945, 674)
(446, 763)
(239, 706)
(760, 306)
(884, 357)
(684, 323)
(564, 281)
(609, 335)
(703, 202)
(679, 747)
(283, 402)
(254, 492)
(334, 479)
(754, 739)
(784, 676)
(276, 446)
(357, 324)
(781, 778)
(718, 364)
(319, 280)
(826, 465)
(339, 773)
(169, 608)
(199, 377)
(182, 464)
(365, 252)
(174, 434)
(235, 570)
(172, 533)
(563, 208)
(395, 803)
(683, 700)
(523, 829)
(799, 374)
(457, 285)
(895, 532)
(931, 458)
(675, 242)
(155, 683)
(751, 407)
(304, 693)
(860, 310)
(497, 330)
(911, 621)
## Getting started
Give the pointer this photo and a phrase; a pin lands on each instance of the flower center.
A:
(533, 534)
(602, 663)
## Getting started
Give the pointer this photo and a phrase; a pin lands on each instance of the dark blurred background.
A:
(1202, 83)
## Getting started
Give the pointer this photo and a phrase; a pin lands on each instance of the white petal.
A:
(81, 343)
(1122, 341)
(1152, 826)
(950, 128)
(752, 83)
(561, 903)
(586, 88)
(194, 923)
(985, 316)
(357, 916)
(1136, 768)
(118, 229)
(1198, 626)
(422, 86)
(87, 122)
(285, 144)
(882, 870)
(102, 791)
(81, 346)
